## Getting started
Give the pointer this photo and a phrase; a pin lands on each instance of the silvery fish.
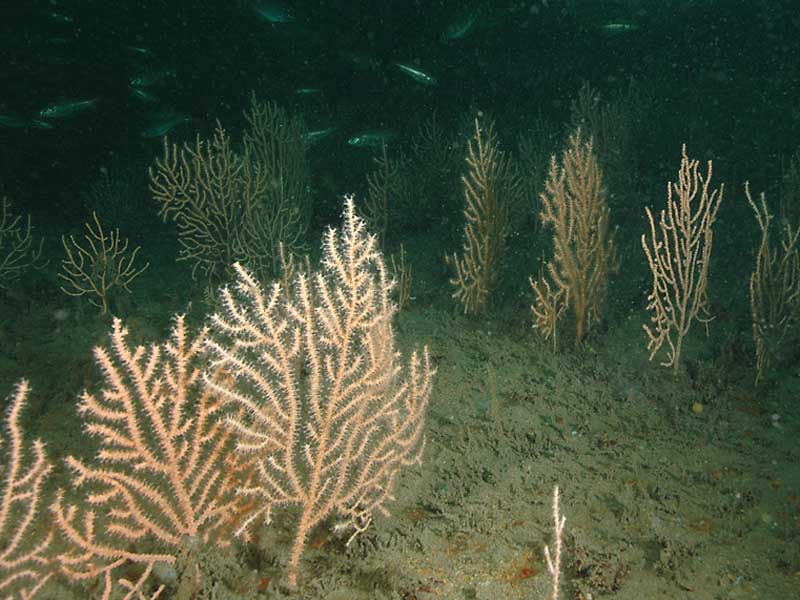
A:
(61, 110)
(57, 17)
(273, 12)
(149, 78)
(307, 91)
(141, 51)
(417, 75)
(462, 26)
(372, 138)
(615, 27)
(363, 62)
(39, 124)
(58, 41)
(12, 122)
(143, 95)
(164, 124)
(312, 137)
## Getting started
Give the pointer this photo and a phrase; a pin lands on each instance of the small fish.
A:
(416, 74)
(39, 124)
(62, 110)
(461, 27)
(307, 91)
(141, 51)
(312, 137)
(149, 78)
(363, 62)
(12, 122)
(165, 123)
(58, 41)
(615, 27)
(372, 138)
(57, 17)
(143, 95)
(16, 123)
(273, 12)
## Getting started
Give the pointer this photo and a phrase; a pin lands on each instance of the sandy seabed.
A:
(662, 500)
